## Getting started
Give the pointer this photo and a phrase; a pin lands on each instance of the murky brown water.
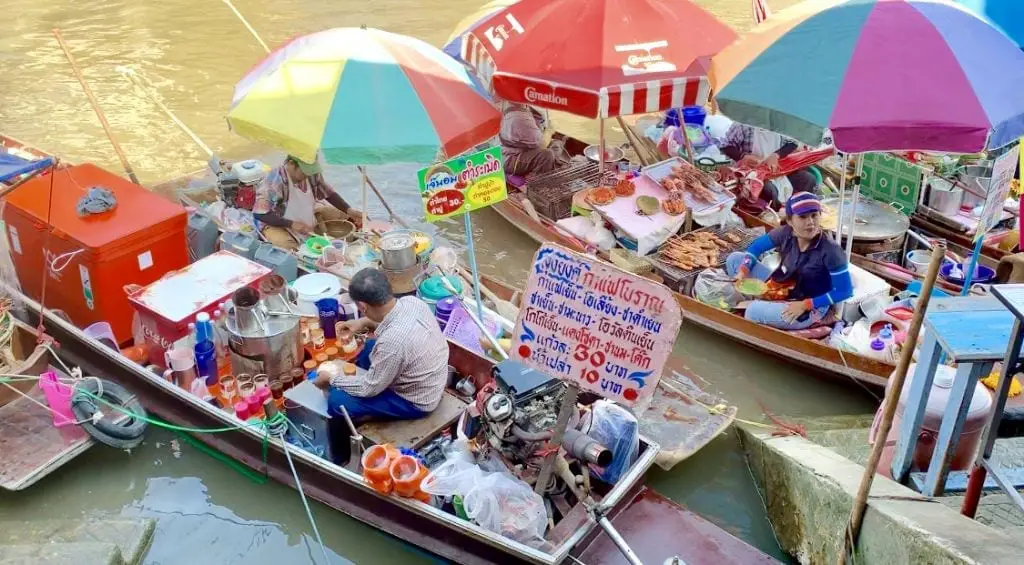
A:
(193, 51)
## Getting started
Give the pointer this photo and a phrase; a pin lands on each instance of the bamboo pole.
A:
(637, 144)
(889, 408)
(247, 26)
(174, 118)
(96, 107)
(380, 197)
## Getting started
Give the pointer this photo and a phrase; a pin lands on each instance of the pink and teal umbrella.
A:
(1007, 15)
(881, 74)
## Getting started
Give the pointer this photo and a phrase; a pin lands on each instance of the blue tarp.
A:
(12, 166)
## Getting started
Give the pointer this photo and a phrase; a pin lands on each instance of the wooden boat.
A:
(627, 504)
(32, 447)
(815, 355)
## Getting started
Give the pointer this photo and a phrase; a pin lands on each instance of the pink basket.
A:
(58, 396)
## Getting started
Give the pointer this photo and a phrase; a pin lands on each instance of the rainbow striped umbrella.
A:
(453, 46)
(362, 97)
(881, 74)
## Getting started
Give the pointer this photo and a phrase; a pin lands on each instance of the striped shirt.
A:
(410, 358)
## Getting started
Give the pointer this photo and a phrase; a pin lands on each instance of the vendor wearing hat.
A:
(812, 276)
(288, 203)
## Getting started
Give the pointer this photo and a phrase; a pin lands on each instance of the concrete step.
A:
(825, 423)
(850, 443)
(61, 554)
(130, 537)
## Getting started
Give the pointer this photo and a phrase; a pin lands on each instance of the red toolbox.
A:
(137, 242)
(167, 306)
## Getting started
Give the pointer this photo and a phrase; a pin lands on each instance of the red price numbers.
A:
(582, 353)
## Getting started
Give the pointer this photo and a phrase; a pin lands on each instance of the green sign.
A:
(462, 184)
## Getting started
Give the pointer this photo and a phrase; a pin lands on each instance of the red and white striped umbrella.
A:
(598, 58)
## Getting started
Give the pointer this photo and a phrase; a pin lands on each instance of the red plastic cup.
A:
(242, 410)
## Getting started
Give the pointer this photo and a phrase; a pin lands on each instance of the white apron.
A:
(300, 204)
(764, 143)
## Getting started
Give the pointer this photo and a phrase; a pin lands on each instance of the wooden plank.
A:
(31, 446)
(956, 481)
(415, 433)
(971, 328)
(1012, 296)
(967, 375)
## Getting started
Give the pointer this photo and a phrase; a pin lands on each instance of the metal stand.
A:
(1013, 297)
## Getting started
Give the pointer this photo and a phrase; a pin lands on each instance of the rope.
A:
(46, 246)
(302, 495)
(718, 409)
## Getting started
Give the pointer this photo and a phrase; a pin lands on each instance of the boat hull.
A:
(811, 354)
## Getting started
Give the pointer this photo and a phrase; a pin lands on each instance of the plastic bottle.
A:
(879, 349)
(206, 350)
(885, 334)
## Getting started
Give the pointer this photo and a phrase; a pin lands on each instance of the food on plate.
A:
(600, 196)
(349, 369)
(695, 250)
(625, 187)
(752, 287)
(647, 205)
(674, 205)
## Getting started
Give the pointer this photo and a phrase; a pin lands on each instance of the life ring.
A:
(112, 429)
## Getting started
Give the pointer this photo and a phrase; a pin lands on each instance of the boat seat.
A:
(415, 433)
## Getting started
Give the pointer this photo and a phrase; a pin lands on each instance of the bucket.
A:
(918, 260)
(982, 274)
(58, 397)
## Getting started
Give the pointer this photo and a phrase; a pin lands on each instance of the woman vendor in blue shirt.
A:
(813, 268)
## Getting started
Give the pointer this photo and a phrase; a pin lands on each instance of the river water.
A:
(192, 51)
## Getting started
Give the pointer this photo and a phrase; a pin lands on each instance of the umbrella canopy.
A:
(597, 58)
(1007, 15)
(881, 74)
(362, 97)
(453, 46)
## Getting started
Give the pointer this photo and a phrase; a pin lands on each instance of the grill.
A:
(682, 279)
(551, 194)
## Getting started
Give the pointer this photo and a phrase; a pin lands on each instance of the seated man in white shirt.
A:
(406, 361)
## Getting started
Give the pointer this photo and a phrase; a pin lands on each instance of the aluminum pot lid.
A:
(396, 241)
(874, 220)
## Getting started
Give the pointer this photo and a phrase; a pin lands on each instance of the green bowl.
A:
(316, 244)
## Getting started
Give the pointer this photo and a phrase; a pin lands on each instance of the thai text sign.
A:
(463, 184)
(998, 190)
(593, 325)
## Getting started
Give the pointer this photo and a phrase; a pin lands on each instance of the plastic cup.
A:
(246, 390)
(277, 389)
(261, 380)
(242, 410)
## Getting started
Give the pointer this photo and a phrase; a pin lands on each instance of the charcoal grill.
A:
(551, 193)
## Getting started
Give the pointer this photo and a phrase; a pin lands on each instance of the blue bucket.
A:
(691, 114)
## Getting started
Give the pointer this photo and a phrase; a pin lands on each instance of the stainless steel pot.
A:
(977, 177)
(875, 221)
(397, 251)
(944, 196)
(274, 349)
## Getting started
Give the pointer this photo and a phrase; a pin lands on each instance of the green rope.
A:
(240, 468)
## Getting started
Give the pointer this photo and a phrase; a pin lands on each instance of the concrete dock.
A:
(75, 542)
(809, 486)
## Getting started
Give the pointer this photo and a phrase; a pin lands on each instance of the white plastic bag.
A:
(615, 428)
(458, 474)
(598, 235)
(715, 287)
(507, 506)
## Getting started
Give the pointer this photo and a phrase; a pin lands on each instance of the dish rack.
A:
(681, 280)
(551, 194)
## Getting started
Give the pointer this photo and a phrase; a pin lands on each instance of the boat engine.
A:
(237, 184)
(519, 411)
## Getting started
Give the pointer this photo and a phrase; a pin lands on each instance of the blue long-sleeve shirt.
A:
(820, 272)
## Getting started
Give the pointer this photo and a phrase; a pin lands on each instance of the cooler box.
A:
(167, 306)
(138, 241)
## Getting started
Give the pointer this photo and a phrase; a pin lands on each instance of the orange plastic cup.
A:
(407, 474)
(377, 462)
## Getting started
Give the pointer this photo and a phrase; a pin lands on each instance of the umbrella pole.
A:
(853, 210)
(471, 251)
(842, 198)
(972, 265)
(363, 177)
(600, 148)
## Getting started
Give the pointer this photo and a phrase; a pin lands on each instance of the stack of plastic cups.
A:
(443, 310)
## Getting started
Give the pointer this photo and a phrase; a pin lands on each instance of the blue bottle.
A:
(206, 349)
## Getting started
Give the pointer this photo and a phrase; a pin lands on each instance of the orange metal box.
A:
(137, 242)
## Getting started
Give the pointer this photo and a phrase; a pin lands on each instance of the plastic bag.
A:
(458, 474)
(507, 506)
(598, 235)
(671, 141)
(615, 428)
(716, 288)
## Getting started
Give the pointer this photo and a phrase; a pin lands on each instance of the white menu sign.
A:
(998, 190)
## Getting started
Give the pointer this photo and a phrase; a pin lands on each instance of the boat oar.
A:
(373, 187)
(504, 308)
(96, 107)
(889, 407)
